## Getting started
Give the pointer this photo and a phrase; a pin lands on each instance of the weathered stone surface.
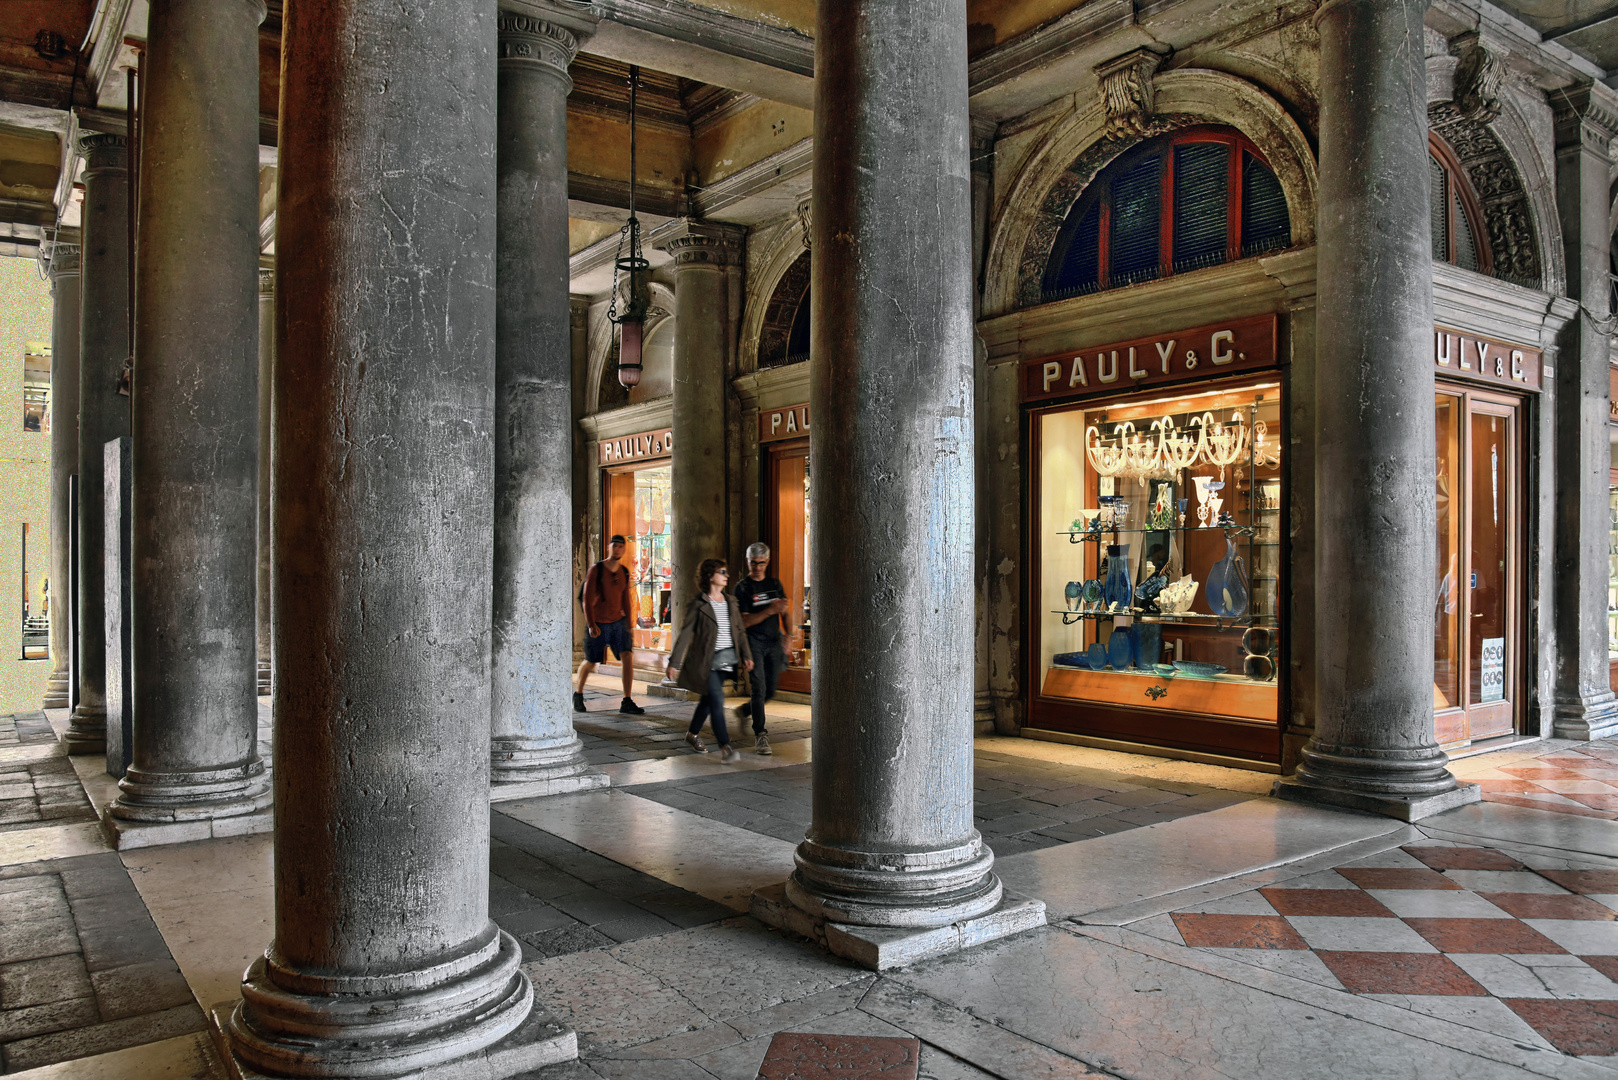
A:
(64, 269)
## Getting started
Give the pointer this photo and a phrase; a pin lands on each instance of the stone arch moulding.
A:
(1078, 148)
(601, 336)
(779, 255)
(1516, 196)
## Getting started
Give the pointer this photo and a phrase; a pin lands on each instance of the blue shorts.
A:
(614, 635)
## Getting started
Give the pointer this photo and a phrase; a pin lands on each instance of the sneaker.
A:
(761, 745)
(578, 702)
(728, 753)
(628, 706)
(695, 743)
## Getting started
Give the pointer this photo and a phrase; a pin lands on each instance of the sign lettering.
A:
(1461, 355)
(649, 444)
(788, 423)
(1239, 345)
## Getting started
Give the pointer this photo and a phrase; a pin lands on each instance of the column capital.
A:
(266, 281)
(64, 260)
(1586, 115)
(527, 40)
(103, 150)
(709, 243)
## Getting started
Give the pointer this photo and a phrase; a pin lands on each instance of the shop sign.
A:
(788, 423)
(1185, 355)
(649, 444)
(1467, 356)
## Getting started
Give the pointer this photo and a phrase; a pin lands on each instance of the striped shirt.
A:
(721, 614)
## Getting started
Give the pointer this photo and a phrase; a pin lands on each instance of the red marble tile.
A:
(1237, 931)
(1529, 905)
(1607, 965)
(1483, 936)
(1401, 973)
(1573, 1027)
(1342, 902)
(1561, 806)
(1396, 877)
(1584, 881)
(797, 1056)
(1464, 858)
(1541, 772)
(1594, 801)
(1507, 787)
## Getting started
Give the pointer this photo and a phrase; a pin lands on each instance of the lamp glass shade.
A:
(629, 366)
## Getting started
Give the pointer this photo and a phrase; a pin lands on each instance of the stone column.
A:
(534, 750)
(892, 845)
(195, 409)
(1586, 119)
(706, 257)
(64, 462)
(584, 466)
(1373, 746)
(385, 961)
(104, 348)
(266, 387)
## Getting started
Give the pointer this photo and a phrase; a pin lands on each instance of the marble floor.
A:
(1565, 777)
(1197, 928)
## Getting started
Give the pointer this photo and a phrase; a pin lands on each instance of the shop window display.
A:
(1160, 581)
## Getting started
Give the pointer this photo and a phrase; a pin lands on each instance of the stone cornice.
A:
(704, 243)
(525, 40)
(1037, 48)
(577, 19)
(1586, 115)
(783, 165)
(743, 38)
(629, 420)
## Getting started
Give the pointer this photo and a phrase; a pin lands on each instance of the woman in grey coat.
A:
(711, 646)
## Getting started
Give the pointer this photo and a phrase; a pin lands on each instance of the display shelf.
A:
(1079, 536)
(1220, 622)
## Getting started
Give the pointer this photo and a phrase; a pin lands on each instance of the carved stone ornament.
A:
(1586, 114)
(806, 219)
(266, 282)
(709, 250)
(1477, 78)
(63, 260)
(1502, 197)
(524, 38)
(104, 151)
(1126, 91)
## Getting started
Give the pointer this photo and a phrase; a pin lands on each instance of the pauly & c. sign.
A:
(1219, 349)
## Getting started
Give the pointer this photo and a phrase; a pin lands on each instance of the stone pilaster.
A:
(1585, 708)
(584, 466)
(64, 269)
(385, 961)
(533, 748)
(707, 259)
(1375, 524)
(266, 398)
(104, 353)
(892, 868)
(195, 409)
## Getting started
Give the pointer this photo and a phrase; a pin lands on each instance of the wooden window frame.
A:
(1458, 189)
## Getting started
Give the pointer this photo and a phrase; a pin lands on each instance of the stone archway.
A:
(1508, 217)
(780, 312)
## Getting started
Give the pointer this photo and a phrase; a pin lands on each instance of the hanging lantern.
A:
(632, 269)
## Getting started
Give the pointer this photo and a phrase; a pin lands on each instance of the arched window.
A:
(1196, 198)
(1456, 236)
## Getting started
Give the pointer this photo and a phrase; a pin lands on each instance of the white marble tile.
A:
(1501, 975)
(51, 842)
(1518, 881)
(1483, 1013)
(1247, 903)
(721, 862)
(1333, 933)
(1325, 879)
(1437, 904)
(609, 1003)
(1299, 963)
(1392, 857)
(1584, 982)
(1581, 937)
(686, 765)
(1161, 927)
(1490, 821)
(1609, 900)
(188, 1057)
(1091, 876)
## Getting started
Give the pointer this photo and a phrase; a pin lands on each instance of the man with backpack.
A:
(605, 600)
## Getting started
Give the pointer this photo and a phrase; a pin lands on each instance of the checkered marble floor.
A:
(1524, 946)
(1581, 779)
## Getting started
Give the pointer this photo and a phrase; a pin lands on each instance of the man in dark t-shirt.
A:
(605, 598)
(765, 612)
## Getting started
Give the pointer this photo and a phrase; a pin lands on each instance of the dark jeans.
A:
(712, 704)
(769, 660)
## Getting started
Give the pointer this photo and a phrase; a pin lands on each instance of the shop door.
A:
(789, 508)
(1478, 641)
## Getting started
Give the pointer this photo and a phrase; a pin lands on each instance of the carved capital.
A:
(64, 260)
(266, 282)
(1586, 115)
(1478, 75)
(527, 40)
(707, 244)
(104, 151)
(1126, 91)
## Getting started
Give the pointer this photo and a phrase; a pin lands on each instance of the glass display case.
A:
(651, 559)
(1160, 584)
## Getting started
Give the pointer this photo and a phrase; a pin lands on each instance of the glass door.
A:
(1477, 643)
(789, 507)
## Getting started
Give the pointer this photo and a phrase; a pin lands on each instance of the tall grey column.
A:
(195, 755)
(707, 258)
(385, 961)
(1376, 523)
(1586, 119)
(583, 466)
(104, 348)
(533, 748)
(890, 384)
(266, 385)
(64, 461)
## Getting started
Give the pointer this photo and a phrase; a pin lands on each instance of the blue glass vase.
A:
(1227, 584)
(1118, 588)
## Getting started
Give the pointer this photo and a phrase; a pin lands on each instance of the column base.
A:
(502, 790)
(539, 1042)
(173, 808)
(522, 767)
(880, 947)
(1592, 716)
(58, 691)
(1403, 807)
(86, 731)
(125, 835)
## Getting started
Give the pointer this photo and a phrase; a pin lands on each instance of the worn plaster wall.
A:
(597, 146)
(751, 135)
(994, 22)
(581, 233)
(25, 316)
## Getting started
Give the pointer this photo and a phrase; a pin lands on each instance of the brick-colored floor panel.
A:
(1396, 877)
(1343, 903)
(1483, 936)
(1573, 1027)
(1464, 858)
(1401, 973)
(1607, 965)
(1598, 882)
(795, 1056)
(1549, 906)
(1237, 931)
